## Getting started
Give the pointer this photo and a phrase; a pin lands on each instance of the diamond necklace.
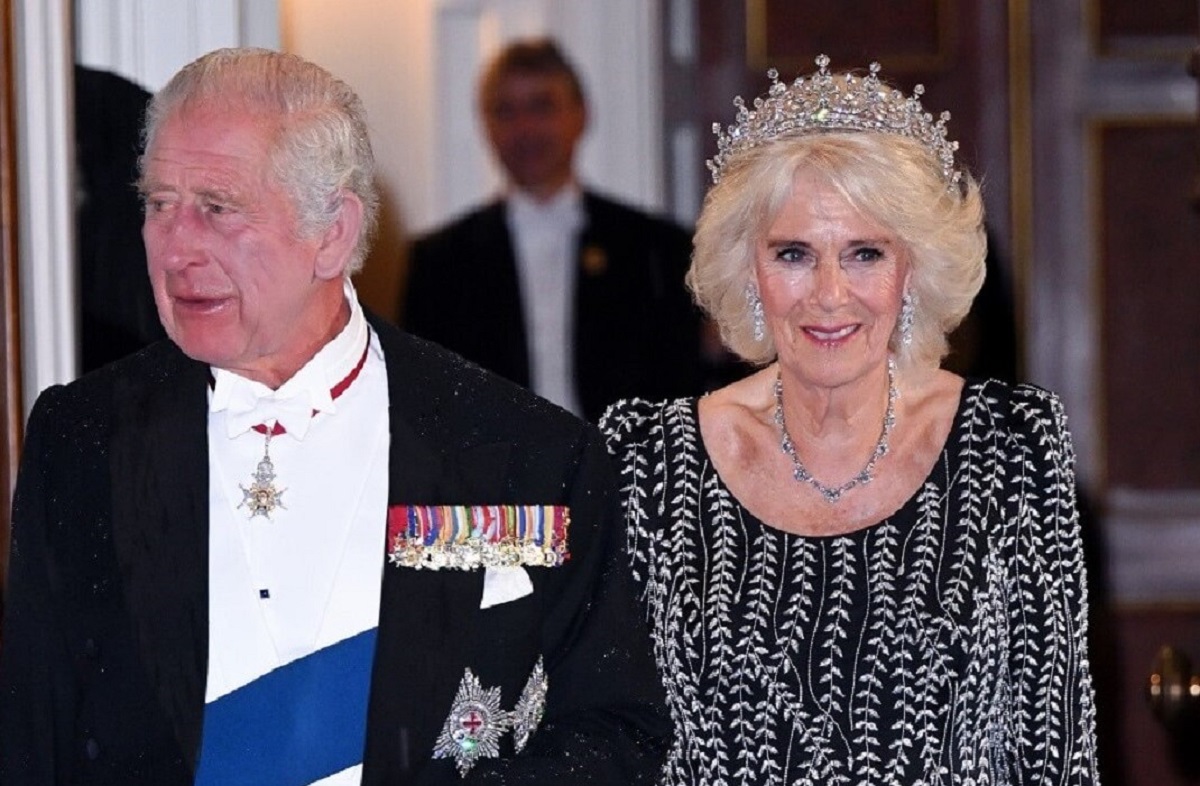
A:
(801, 473)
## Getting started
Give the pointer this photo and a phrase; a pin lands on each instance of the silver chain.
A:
(801, 473)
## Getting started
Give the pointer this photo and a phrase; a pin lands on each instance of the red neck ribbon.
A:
(334, 392)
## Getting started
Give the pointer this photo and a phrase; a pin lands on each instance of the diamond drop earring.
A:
(908, 309)
(756, 311)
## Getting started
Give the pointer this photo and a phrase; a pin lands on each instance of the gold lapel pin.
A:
(595, 261)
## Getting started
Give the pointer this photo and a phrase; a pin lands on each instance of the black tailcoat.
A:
(104, 658)
(635, 330)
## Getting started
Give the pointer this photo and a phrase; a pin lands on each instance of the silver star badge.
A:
(474, 727)
(530, 706)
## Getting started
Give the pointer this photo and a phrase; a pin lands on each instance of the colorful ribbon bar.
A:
(469, 537)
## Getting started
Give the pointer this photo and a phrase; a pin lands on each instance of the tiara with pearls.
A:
(824, 102)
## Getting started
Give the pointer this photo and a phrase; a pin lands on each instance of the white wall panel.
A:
(616, 46)
(466, 173)
(105, 36)
(149, 40)
(45, 205)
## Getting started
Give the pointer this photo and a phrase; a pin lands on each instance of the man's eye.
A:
(502, 112)
(543, 105)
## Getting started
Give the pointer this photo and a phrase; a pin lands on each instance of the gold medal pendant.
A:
(262, 497)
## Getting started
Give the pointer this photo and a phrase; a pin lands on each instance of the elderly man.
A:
(293, 545)
(558, 288)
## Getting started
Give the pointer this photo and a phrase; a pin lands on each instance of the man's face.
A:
(534, 122)
(235, 284)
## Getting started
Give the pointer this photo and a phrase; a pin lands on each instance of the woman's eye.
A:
(790, 254)
(868, 254)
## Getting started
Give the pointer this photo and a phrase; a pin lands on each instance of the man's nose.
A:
(174, 239)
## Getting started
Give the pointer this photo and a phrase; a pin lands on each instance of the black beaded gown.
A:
(943, 645)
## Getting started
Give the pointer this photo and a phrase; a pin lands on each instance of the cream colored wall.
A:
(382, 51)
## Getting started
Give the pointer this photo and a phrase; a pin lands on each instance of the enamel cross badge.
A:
(474, 727)
(476, 723)
(262, 497)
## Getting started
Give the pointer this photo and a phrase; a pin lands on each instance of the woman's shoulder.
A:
(1020, 404)
(1028, 421)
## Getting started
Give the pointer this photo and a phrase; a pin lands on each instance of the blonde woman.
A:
(859, 568)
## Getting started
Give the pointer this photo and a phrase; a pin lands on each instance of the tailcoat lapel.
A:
(160, 532)
(426, 617)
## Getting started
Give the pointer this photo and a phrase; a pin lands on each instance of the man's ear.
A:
(340, 238)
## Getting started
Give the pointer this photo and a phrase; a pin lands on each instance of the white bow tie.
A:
(246, 409)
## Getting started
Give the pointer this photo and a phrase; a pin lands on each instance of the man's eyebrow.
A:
(218, 194)
(145, 185)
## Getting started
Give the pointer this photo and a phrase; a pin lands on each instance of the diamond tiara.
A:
(823, 102)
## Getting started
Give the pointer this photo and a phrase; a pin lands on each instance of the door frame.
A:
(10, 334)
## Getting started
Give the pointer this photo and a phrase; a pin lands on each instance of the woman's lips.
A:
(831, 334)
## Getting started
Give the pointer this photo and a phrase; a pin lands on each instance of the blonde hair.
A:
(890, 179)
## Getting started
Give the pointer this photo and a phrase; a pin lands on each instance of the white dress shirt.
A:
(545, 239)
(309, 575)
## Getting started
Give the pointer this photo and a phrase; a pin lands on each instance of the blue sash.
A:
(294, 725)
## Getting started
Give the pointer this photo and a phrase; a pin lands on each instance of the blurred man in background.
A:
(564, 291)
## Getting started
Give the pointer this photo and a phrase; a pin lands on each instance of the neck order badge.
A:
(262, 496)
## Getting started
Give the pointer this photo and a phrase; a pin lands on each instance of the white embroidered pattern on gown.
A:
(944, 645)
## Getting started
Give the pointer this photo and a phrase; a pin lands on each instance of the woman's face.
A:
(831, 282)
